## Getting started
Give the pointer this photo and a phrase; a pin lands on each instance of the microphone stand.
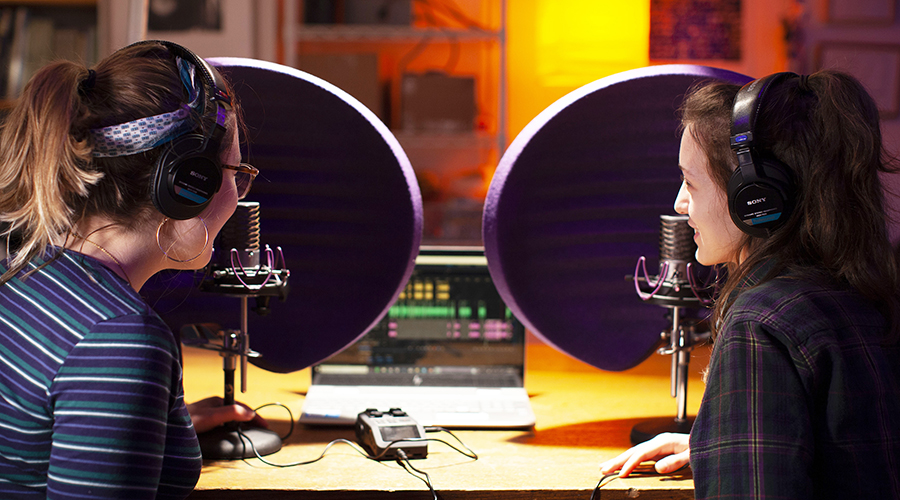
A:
(681, 336)
(241, 277)
(233, 440)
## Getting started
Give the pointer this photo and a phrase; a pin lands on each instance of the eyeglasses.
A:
(243, 177)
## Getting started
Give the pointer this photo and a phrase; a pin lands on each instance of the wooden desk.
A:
(584, 416)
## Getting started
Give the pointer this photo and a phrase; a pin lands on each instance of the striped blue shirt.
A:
(91, 397)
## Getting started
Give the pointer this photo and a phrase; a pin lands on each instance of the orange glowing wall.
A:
(556, 46)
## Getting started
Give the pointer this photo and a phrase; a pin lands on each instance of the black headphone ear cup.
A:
(186, 177)
(760, 204)
(778, 174)
(761, 189)
(187, 173)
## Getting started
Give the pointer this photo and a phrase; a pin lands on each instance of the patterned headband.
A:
(140, 135)
(144, 134)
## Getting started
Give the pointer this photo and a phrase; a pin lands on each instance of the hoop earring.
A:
(161, 249)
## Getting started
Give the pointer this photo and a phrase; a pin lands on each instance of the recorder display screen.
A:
(397, 432)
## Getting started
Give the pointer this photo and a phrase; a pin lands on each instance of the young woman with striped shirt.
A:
(108, 176)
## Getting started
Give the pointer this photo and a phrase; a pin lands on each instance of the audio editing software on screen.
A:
(448, 322)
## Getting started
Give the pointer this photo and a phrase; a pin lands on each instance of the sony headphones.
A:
(761, 189)
(188, 173)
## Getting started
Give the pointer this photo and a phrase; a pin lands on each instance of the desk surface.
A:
(584, 416)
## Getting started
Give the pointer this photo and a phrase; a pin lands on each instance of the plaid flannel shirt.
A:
(802, 399)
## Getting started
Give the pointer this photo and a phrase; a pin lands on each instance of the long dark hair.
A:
(826, 129)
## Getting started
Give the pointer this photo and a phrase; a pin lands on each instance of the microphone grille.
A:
(241, 232)
(676, 238)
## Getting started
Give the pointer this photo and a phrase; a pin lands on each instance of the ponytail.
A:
(45, 163)
(52, 180)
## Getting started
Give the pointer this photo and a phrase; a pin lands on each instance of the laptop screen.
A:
(448, 327)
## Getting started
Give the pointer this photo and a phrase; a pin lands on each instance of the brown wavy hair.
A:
(826, 128)
(48, 177)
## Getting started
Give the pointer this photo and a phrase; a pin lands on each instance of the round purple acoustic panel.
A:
(576, 200)
(337, 193)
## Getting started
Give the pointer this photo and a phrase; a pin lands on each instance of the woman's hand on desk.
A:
(209, 413)
(670, 450)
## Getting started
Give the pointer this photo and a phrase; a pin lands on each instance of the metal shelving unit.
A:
(35, 32)
(433, 154)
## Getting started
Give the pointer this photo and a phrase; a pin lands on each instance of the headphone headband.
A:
(760, 191)
(214, 102)
(188, 170)
(747, 104)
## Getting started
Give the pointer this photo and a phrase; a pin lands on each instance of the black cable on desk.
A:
(466, 453)
(615, 475)
(290, 417)
(600, 483)
(471, 453)
(403, 460)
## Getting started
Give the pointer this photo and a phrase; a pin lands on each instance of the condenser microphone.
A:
(676, 284)
(240, 266)
(241, 233)
(676, 288)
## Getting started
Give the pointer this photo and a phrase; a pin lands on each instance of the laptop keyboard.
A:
(431, 406)
(434, 406)
(420, 380)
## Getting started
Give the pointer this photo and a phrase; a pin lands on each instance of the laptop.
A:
(448, 352)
